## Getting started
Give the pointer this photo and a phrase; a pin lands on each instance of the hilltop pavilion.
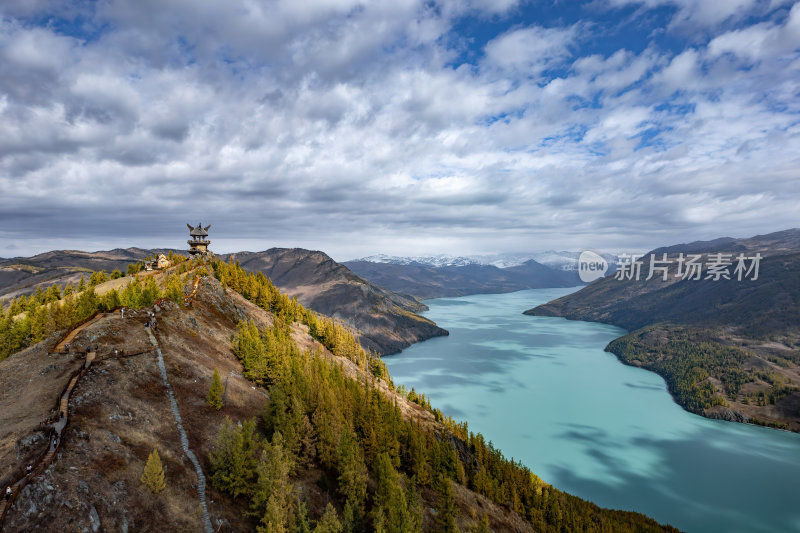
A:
(198, 244)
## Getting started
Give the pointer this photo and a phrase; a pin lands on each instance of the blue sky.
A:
(402, 127)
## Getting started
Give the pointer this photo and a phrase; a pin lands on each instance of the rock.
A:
(731, 415)
(33, 439)
(94, 519)
(83, 487)
(124, 527)
(32, 510)
(47, 369)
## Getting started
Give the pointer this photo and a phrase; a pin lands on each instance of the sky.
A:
(402, 127)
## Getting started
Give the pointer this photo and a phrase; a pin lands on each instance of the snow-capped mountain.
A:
(560, 260)
(440, 260)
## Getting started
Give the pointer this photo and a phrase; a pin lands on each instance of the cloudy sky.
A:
(401, 127)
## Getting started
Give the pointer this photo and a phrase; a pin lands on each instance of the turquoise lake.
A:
(544, 391)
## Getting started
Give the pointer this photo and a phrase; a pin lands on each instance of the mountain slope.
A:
(22, 275)
(425, 281)
(120, 410)
(385, 321)
(741, 337)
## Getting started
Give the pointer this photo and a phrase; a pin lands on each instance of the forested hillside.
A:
(303, 430)
(383, 469)
(728, 348)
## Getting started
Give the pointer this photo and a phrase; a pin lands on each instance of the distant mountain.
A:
(425, 281)
(727, 342)
(431, 260)
(22, 275)
(561, 260)
(777, 243)
(385, 321)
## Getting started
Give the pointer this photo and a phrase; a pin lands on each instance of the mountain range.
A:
(426, 280)
(561, 260)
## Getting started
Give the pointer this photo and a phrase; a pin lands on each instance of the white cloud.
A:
(692, 15)
(313, 124)
(761, 40)
(530, 50)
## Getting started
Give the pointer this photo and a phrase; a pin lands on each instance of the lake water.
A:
(544, 391)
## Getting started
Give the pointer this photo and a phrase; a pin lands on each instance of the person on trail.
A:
(28, 470)
(8, 493)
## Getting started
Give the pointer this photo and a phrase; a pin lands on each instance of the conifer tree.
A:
(329, 523)
(446, 507)
(214, 398)
(153, 475)
(308, 440)
(233, 462)
(272, 494)
(303, 522)
(53, 294)
(352, 471)
(390, 498)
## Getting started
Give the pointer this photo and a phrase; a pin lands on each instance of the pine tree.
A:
(308, 446)
(329, 523)
(272, 493)
(153, 475)
(352, 471)
(97, 278)
(446, 507)
(302, 523)
(214, 398)
(390, 498)
(233, 462)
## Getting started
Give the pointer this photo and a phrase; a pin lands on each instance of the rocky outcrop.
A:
(725, 413)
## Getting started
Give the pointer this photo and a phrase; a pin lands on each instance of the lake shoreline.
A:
(605, 431)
